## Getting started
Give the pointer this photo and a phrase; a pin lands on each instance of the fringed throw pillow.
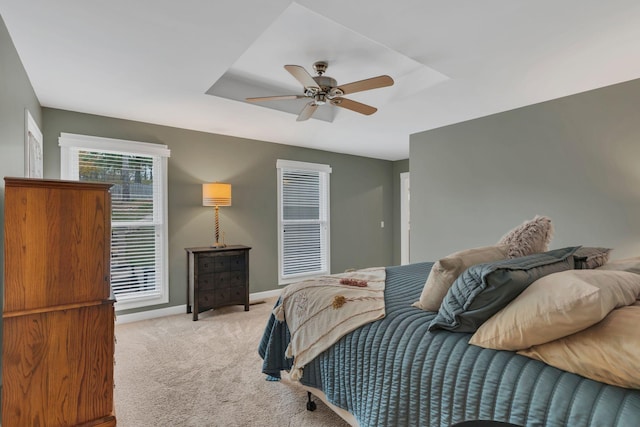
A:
(528, 238)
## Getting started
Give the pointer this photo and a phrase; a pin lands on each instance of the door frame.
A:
(405, 218)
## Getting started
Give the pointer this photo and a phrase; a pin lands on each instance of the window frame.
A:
(71, 144)
(33, 139)
(325, 174)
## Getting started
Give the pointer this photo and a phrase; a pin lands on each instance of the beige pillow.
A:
(445, 271)
(608, 351)
(530, 237)
(557, 305)
(628, 264)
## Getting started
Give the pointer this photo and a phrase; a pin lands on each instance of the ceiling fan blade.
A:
(307, 111)
(274, 98)
(358, 107)
(301, 75)
(367, 84)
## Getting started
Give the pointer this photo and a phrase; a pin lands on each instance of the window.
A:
(138, 172)
(303, 220)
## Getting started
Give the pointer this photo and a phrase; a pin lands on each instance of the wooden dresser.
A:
(217, 277)
(58, 318)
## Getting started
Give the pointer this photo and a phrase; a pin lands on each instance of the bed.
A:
(395, 372)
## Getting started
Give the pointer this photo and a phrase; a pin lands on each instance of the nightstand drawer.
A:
(210, 264)
(237, 295)
(237, 262)
(232, 279)
(228, 279)
(207, 299)
(206, 281)
(221, 297)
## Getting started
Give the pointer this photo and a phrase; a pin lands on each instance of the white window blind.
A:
(138, 213)
(303, 220)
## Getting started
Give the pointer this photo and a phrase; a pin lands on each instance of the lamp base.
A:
(217, 244)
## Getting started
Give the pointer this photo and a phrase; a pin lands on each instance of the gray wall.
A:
(575, 159)
(16, 95)
(362, 194)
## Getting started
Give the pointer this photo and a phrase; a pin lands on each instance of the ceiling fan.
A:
(324, 89)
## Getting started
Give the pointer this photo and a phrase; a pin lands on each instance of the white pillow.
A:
(628, 264)
(557, 305)
(445, 271)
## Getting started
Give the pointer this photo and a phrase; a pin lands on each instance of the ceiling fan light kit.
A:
(323, 89)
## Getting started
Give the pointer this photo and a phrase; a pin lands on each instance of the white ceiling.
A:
(155, 60)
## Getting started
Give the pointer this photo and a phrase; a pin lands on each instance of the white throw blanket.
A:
(320, 311)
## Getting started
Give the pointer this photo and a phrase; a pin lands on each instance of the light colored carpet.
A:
(173, 372)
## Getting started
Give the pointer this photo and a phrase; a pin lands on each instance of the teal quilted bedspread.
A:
(394, 372)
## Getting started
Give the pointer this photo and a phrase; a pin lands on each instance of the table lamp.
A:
(216, 194)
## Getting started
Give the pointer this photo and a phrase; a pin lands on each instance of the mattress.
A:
(394, 372)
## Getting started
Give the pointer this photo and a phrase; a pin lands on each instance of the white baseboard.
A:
(182, 309)
(151, 314)
(263, 295)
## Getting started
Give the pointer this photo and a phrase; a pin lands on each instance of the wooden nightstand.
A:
(217, 277)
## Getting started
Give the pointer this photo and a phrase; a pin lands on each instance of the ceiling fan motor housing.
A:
(326, 89)
(325, 83)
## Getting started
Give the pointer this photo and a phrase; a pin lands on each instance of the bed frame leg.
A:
(311, 405)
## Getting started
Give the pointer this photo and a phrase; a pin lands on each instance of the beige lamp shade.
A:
(216, 194)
